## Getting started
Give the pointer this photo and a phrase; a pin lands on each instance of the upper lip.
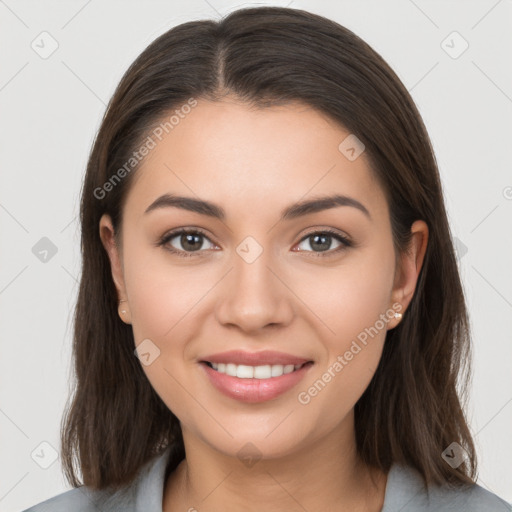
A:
(264, 357)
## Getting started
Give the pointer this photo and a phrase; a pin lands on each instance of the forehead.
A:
(242, 157)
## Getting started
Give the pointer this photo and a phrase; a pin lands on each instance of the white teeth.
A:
(263, 372)
(243, 371)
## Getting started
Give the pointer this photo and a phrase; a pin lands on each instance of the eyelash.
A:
(346, 243)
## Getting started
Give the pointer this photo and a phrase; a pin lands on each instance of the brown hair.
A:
(411, 411)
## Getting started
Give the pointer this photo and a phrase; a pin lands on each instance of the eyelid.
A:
(331, 231)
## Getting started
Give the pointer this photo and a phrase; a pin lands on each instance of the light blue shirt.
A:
(404, 493)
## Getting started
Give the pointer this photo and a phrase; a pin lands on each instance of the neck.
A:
(325, 475)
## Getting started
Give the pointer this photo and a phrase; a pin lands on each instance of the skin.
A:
(254, 163)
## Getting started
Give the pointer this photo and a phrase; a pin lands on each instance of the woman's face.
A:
(253, 280)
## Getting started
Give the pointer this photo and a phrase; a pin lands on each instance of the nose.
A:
(254, 296)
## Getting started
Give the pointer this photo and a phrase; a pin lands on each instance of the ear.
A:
(114, 254)
(409, 267)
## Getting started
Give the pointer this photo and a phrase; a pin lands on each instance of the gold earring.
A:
(398, 316)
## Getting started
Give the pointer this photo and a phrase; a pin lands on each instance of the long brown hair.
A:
(411, 411)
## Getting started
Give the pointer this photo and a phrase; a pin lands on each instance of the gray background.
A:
(50, 111)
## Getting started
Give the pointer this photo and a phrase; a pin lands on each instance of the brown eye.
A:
(322, 242)
(185, 242)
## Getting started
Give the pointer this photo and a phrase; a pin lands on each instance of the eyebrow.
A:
(293, 211)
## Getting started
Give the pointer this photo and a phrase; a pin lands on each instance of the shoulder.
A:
(406, 492)
(72, 499)
(83, 499)
(470, 499)
(144, 494)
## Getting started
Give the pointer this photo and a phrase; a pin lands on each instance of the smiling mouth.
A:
(266, 371)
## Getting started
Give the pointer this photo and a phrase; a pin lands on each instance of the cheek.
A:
(348, 298)
(163, 296)
(163, 304)
(350, 306)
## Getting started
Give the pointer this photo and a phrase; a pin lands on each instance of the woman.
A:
(270, 314)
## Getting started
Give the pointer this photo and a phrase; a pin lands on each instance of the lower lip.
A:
(254, 390)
